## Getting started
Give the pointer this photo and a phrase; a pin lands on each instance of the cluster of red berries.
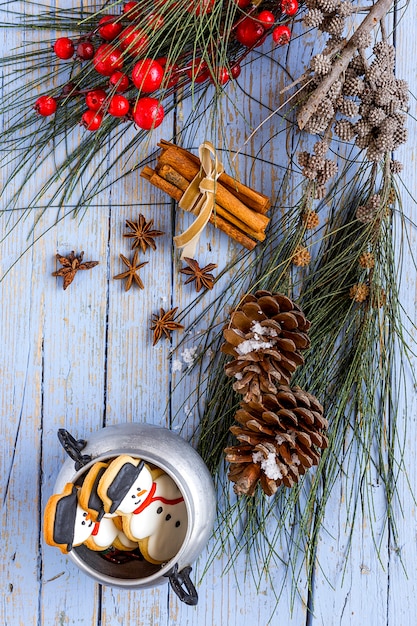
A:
(118, 41)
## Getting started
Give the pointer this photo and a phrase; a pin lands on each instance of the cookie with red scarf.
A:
(150, 503)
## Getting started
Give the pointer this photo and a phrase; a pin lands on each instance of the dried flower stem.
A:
(375, 15)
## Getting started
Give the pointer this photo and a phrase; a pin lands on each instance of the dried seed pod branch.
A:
(340, 64)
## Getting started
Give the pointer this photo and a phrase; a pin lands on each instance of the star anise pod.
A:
(201, 275)
(142, 234)
(70, 266)
(130, 275)
(164, 324)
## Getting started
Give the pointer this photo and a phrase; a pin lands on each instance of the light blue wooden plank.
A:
(55, 344)
(402, 607)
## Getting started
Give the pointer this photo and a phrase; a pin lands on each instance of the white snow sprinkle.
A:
(252, 345)
(238, 375)
(262, 331)
(268, 465)
(189, 355)
(176, 366)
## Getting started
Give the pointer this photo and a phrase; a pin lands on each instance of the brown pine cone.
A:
(280, 438)
(265, 335)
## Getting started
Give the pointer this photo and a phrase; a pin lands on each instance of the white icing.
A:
(164, 524)
(137, 493)
(126, 541)
(166, 542)
(107, 533)
(83, 526)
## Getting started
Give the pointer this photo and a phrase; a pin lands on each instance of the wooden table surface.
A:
(83, 358)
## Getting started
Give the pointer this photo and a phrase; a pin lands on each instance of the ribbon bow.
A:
(199, 199)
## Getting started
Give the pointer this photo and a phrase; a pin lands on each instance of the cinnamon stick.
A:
(216, 220)
(181, 162)
(253, 199)
(172, 176)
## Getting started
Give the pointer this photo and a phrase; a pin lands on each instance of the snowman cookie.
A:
(67, 525)
(88, 497)
(151, 505)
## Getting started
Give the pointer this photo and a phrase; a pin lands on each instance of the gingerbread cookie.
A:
(68, 525)
(88, 497)
(150, 503)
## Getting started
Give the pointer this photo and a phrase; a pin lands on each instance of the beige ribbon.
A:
(199, 199)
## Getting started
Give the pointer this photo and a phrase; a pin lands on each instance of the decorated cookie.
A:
(115, 485)
(67, 525)
(160, 528)
(150, 503)
(88, 497)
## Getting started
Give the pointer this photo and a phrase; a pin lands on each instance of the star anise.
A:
(201, 275)
(164, 324)
(70, 266)
(142, 234)
(131, 274)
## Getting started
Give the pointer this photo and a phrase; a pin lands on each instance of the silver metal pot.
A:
(166, 450)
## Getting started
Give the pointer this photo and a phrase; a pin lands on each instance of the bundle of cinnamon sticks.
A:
(239, 211)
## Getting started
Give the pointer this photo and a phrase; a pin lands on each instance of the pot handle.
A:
(73, 448)
(178, 579)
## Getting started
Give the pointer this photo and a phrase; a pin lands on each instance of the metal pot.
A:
(166, 450)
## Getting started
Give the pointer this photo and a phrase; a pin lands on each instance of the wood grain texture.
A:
(83, 358)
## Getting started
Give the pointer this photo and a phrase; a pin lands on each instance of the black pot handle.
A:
(73, 448)
(178, 579)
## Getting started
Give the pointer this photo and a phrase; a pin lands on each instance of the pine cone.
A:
(280, 437)
(265, 336)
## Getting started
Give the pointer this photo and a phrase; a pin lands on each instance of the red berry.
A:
(109, 27)
(155, 21)
(148, 113)
(235, 71)
(64, 48)
(249, 32)
(199, 71)
(131, 10)
(147, 75)
(107, 59)
(45, 105)
(281, 35)
(201, 7)
(134, 40)
(85, 50)
(118, 106)
(91, 120)
(69, 89)
(95, 99)
(171, 75)
(289, 7)
(120, 81)
(243, 4)
(266, 18)
(223, 75)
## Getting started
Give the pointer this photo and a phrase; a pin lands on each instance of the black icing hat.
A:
(95, 503)
(64, 522)
(122, 482)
